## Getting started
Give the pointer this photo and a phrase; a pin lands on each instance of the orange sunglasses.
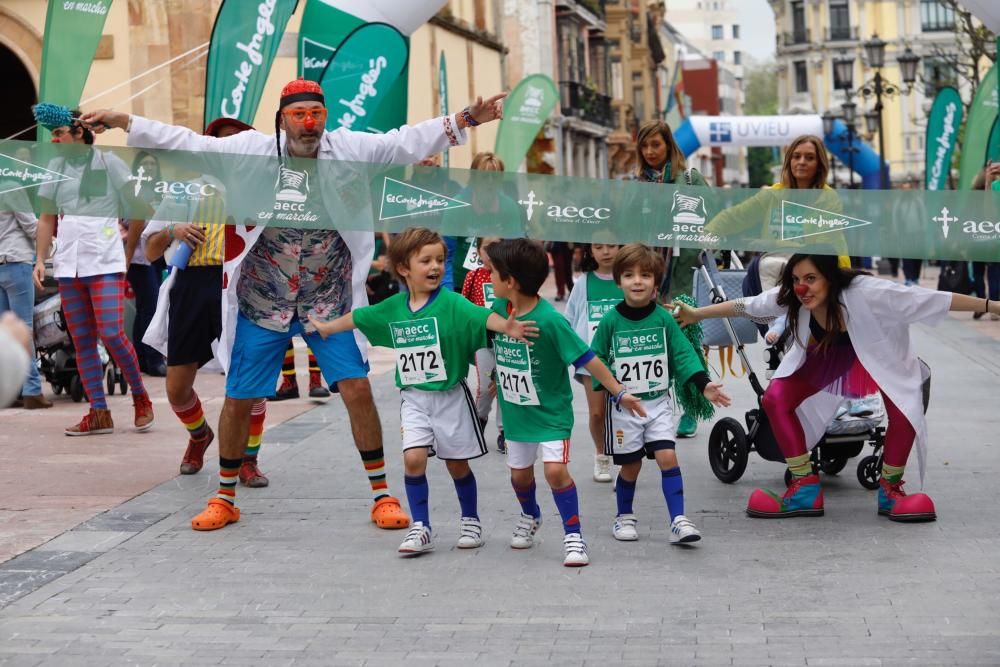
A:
(299, 115)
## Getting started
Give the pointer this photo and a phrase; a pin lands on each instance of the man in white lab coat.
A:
(275, 278)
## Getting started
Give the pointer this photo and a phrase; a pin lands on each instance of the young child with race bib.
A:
(645, 347)
(434, 333)
(478, 288)
(535, 393)
(593, 295)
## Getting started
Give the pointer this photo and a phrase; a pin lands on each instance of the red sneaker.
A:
(143, 412)
(95, 422)
(250, 475)
(194, 455)
(804, 497)
(316, 388)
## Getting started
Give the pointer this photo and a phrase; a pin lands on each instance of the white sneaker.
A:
(576, 551)
(524, 532)
(471, 534)
(602, 468)
(417, 541)
(624, 528)
(682, 531)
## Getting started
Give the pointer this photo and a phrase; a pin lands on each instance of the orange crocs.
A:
(386, 513)
(218, 514)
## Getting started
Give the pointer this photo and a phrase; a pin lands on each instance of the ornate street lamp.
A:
(871, 121)
(908, 63)
(843, 70)
(850, 112)
(828, 120)
(875, 51)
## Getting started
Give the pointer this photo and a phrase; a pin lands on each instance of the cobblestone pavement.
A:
(305, 579)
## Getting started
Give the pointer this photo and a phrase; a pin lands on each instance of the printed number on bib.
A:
(641, 360)
(472, 259)
(418, 351)
(514, 371)
(595, 313)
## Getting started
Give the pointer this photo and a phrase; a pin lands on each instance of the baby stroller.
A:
(57, 356)
(729, 444)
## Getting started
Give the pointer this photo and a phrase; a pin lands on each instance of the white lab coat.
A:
(405, 145)
(878, 315)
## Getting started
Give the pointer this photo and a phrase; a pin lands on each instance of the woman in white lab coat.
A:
(847, 351)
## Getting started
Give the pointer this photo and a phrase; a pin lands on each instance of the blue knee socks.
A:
(625, 493)
(569, 507)
(673, 491)
(467, 496)
(526, 497)
(417, 492)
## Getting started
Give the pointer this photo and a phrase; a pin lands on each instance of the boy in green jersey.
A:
(645, 347)
(535, 394)
(434, 333)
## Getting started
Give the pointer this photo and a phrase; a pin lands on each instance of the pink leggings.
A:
(785, 394)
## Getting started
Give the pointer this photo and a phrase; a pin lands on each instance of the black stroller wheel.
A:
(728, 451)
(76, 389)
(122, 384)
(56, 388)
(870, 471)
(834, 465)
(109, 380)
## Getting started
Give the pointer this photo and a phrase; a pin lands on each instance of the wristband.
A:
(618, 399)
(469, 120)
(170, 232)
(128, 126)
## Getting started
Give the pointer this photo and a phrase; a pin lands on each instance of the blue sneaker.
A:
(804, 497)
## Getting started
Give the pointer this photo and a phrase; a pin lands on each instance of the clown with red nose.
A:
(850, 337)
(275, 278)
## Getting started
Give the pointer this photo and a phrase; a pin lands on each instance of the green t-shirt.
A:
(434, 345)
(533, 382)
(646, 353)
(602, 296)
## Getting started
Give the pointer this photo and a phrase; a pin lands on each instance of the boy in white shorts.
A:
(645, 347)
(535, 394)
(434, 332)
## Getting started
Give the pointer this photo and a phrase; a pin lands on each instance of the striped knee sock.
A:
(229, 472)
(314, 376)
(800, 466)
(892, 474)
(288, 365)
(256, 433)
(193, 418)
(374, 462)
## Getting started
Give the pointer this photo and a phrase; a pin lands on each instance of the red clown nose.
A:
(801, 290)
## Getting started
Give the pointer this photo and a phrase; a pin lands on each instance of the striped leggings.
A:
(94, 307)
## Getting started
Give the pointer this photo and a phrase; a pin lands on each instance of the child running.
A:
(645, 347)
(478, 288)
(435, 333)
(535, 394)
(592, 296)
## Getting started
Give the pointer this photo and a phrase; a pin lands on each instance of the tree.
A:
(761, 86)
(960, 61)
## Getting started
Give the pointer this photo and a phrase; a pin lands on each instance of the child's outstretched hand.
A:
(717, 395)
(324, 329)
(518, 329)
(633, 404)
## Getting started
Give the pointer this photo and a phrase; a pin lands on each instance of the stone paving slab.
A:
(304, 578)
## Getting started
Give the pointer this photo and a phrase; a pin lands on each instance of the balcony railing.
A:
(841, 33)
(585, 103)
(797, 38)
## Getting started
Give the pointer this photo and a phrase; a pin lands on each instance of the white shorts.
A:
(627, 435)
(444, 420)
(523, 454)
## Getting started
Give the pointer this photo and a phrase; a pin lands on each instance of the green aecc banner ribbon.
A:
(350, 196)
